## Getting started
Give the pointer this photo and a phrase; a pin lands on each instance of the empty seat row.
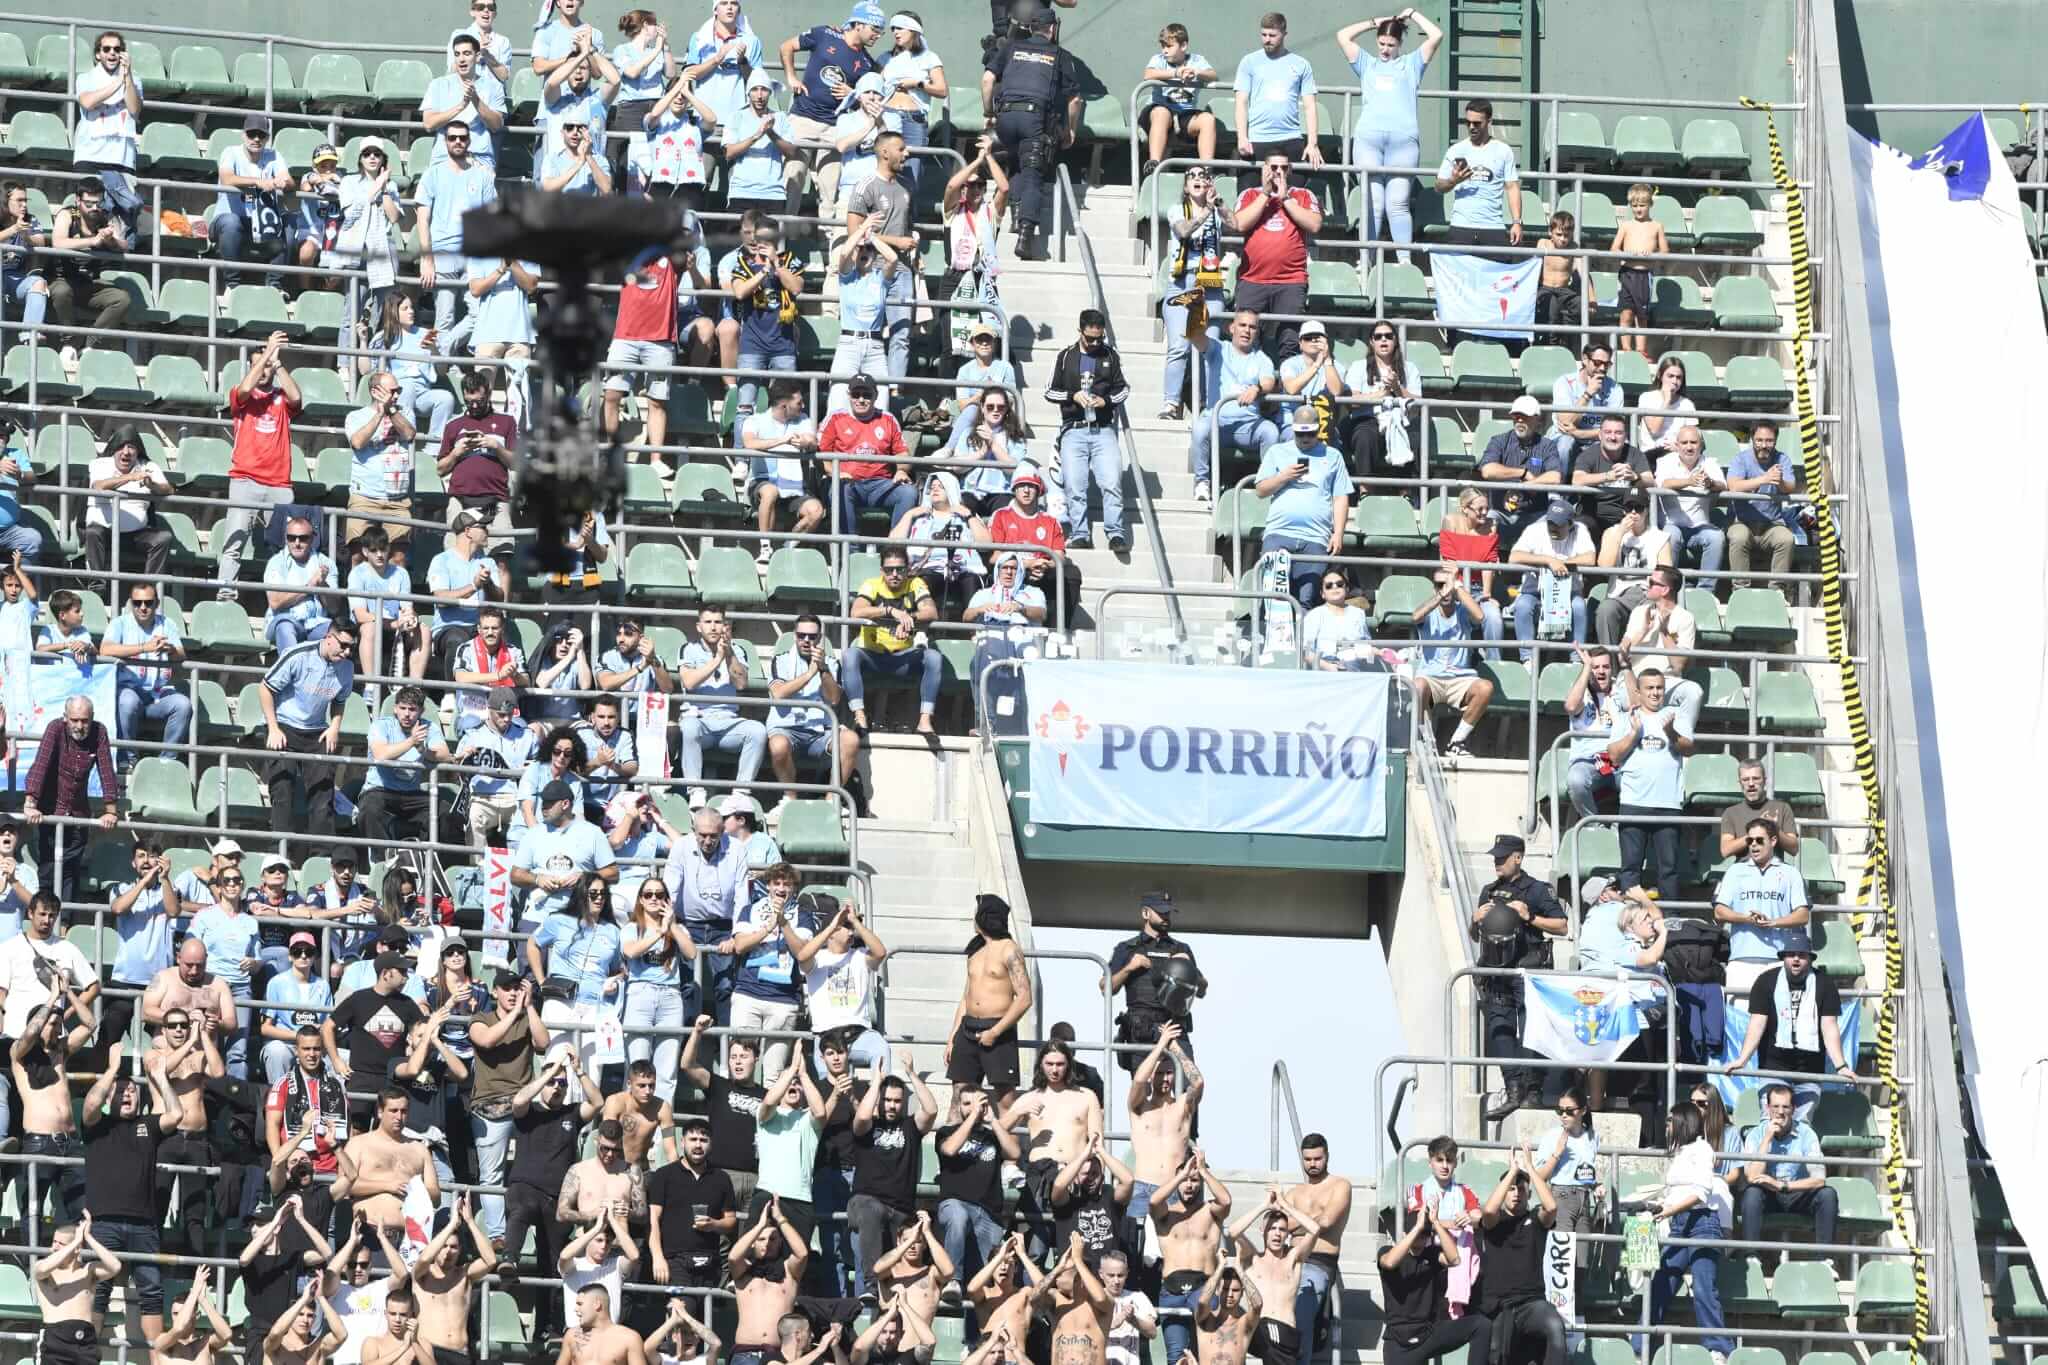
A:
(1644, 144)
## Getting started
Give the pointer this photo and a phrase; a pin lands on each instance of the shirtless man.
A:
(1274, 1269)
(1004, 1292)
(65, 1281)
(767, 1266)
(187, 1052)
(1080, 1308)
(643, 1115)
(981, 1047)
(895, 1337)
(1064, 1121)
(187, 985)
(1189, 1219)
(915, 1271)
(375, 1167)
(1226, 1317)
(1327, 1199)
(443, 1281)
(307, 1334)
(596, 1339)
(40, 1059)
(1161, 1121)
(183, 1343)
(400, 1344)
(605, 1182)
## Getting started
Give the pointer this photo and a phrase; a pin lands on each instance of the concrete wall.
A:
(1909, 52)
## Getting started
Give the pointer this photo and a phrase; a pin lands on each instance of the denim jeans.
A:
(141, 1239)
(657, 1004)
(902, 302)
(22, 537)
(1245, 431)
(429, 407)
(891, 495)
(491, 1139)
(717, 973)
(1388, 195)
(132, 706)
(959, 1220)
(1091, 454)
(1823, 1205)
(27, 290)
(1302, 574)
(68, 1182)
(1525, 618)
(231, 243)
(1179, 349)
(831, 1189)
(916, 133)
(286, 632)
(1711, 542)
(920, 663)
(876, 1226)
(1587, 784)
(728, 735)
(756, 360)
(277, 1057)
(1309, 1298)
(1178, 1331)
(1704, 1265)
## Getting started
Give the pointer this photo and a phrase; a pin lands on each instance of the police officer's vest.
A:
(1030, 73)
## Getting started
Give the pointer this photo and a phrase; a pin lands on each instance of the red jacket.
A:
(843, 433)
(1041, 532)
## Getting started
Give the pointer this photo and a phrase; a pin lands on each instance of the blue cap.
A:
(1560, 509)
(866, 12)
(1795, 941)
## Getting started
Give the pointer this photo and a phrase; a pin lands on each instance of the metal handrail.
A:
(1283, 1093)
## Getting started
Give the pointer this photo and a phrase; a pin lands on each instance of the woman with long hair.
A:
(452, 982)
(1387, 132)
(1714, 1121)
(988, 453)
(1471, 532)
(20, 235)
(1694, 1205)
(1193, 310)
(399, 344)
(972, 208)
(561, 759)
(915, 77)
(659, 993)
(560, 666)
(1381, 444)
(1569, 1157)
(1663, 410)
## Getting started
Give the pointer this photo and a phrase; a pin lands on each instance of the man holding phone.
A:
(1479, 174)
(477, 457)
(1311, 500)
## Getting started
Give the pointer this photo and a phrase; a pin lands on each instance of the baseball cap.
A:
(271, 860)
(226, 848)
(302, 937)
(557, 790)
(981, 329)
(465, 521)
(393, 936)
(1030, 478)
(1312, 328)
(325, 152)
(1525, 406)
(861, 383)
(504, 699)
(1593, 888)
(1504, 844)
(256, 123)
(739, 803)
(1307, 419)
(1560, 509)
(866, 12)
(1159, 903)
(1796, 941)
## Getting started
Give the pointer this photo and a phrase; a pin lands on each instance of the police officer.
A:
(1139, 967)
(1031, 90)
(1515, 920)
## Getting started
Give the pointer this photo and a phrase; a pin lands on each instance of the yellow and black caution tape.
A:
(1874, 891)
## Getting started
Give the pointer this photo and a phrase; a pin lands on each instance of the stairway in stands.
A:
(1488, 46)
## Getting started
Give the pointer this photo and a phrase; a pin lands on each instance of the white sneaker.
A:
(699, 798)
(761, 559)
(1202, 491)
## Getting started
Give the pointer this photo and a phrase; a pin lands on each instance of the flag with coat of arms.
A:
(1485, 298)
(1589, 1019)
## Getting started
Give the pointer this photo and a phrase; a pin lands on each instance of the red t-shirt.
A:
(1275, 252)
(263, 437)
(647, 304)
(845, 434)
(1041, 531)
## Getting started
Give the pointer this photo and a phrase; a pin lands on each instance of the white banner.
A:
(1216, 750)
(1500, 296)
(1561, 1273)
(650, 736)
(497, 906)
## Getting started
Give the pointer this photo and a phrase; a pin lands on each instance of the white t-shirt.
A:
(1640, 554)
(785, 471)
(107, 133)
(1686, 510)
(609, 1274)
(361, 1310)
(1535, 540)
(25, 993)
(840, 988)
(134, 510)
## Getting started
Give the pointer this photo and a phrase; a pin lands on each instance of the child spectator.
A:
(1561, 297)
(1181, 75)
(1638, 237)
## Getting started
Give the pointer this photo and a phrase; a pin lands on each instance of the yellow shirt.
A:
(881, 636)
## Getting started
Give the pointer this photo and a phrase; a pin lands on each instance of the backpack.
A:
(1695, 952)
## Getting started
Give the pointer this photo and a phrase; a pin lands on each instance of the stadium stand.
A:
(475, 905)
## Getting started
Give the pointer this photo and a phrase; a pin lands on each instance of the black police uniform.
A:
(1500, 997)
(1035, 78)
(1143, 1014)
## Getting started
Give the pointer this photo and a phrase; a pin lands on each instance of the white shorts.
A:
(640, 353)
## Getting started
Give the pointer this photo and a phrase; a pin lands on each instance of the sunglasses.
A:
(895, 568)
(142, 601)
(457, 137)
(1382, 336)
(563, 753)
(1476, 122)
(1567, 1111)
(298, 540)
(363, 1266)
(112, 47)
(177, 1023)
(653, 894)
(1754, 842)
(231, 881)
(607, 1149)
(811, 635)
(302, 952)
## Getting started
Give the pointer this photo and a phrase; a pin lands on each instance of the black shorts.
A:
(972, 1064)
(444, 1355)
(1038, 1179)
(1181, 118)
(1276, 1343)
(70, 1343)
(1635, 292)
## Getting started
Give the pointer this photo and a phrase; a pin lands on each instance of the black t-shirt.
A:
(1090, 1211)
(272, 1280)
(1511, 1271)
(426, 1094)
(1605, 505)
(1087, 1077)
(835, 1139)
(371, 1029)
(120, 1167)
(1141, 992)
(679, 1192)
(546, 1148)
(734, 1109)
(974, 1174)
(1792, 1042)
(1412, 1293)
(888, 1159)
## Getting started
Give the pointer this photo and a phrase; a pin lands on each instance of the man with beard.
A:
(981, 1048)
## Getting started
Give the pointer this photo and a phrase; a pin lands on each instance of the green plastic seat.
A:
(1585, 850)
(1429, 366)
(1511, 685)
(1334, 284)
(659, 571)
(50, 384)
(203, 73)
(1678, 302)
(335, 81)
(1713, 146)
(1240, 514)
(505, 1332)
(60, 446)
(188, 306)
(283, 92)
(705, 492)
(1446, 450)
(245, 792)
(319, 315)
(1642, 142)
(1709, 782)
(109, 862)
(216, 721)
(1681, 1353)
(1785, 704)
(1758, 616)
(1580, 142)
(1845, 1124)
(1884, 1289)
(1593, 212)
(1385, 524)
(257, 310)
(1860, 1209)
(1757, 383)
(57, 57)
(644, 495)
(808, 829)
(1481, 368)
(187, 559)
(1722, 224)
(171, 152)
(37, 138)
(1553, 685)
(224, 629)
(1404, 288)
(143, 314)
(325, 398)
(203, 463)
(726, 575)
(160, 790)
(1708, 633)
(1397, 599)
(1805, 1291)
(1542, 367)
(1817, 868)
(295, 145)
(1795, 779)
(2018, 1295)
(18, 71)
(1743, 1289)
(1756, 1355)
(1743, 303)
(107, 379)
(799, 575)
(400, 86)
(1727, 700)
(17, 1300)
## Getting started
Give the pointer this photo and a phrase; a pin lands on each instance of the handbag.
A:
(557, 990)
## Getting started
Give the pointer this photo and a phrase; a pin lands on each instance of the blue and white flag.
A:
(1734, 1085)
(1589, 1019)
(34, 692)
(1486, 298)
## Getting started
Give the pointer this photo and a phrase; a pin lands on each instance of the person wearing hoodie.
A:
(1026, 523)
(1009, 601)
(953, 575)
